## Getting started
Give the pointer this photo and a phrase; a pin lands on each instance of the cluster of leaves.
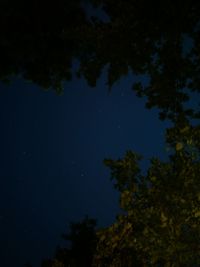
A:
(187, 138)
(160, 220)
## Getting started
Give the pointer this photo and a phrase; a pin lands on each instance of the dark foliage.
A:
(82, 239)
(159, 39)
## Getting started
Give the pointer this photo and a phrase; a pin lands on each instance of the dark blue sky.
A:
(52, 148)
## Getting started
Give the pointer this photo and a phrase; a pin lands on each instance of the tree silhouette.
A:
(159, 39)
(39, 39)
(82, 238)
(154, 38)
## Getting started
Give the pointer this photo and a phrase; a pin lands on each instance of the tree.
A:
(159, 223)
(82, 238)
(39, 40)
(160, 220)
(159, 39)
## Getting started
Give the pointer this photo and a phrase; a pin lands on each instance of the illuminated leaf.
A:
(184, 129)
(179, 146)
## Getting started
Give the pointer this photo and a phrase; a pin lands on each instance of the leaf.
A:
(189, 142)
(179, 146)
(102, 238)
(197, 214)
(163, 219)
(184, 129)
(153, 178)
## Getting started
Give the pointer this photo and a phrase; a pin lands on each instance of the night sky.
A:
(52, 151)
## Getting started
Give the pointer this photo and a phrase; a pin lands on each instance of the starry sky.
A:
(52, 151)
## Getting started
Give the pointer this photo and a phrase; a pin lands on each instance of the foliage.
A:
(39, 40)
(160, 220)
(159, 39)
(82, 238)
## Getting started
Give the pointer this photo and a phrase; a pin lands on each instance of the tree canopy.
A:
(160, 220)
(159, 39)
(154, 38)
(39, 40)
